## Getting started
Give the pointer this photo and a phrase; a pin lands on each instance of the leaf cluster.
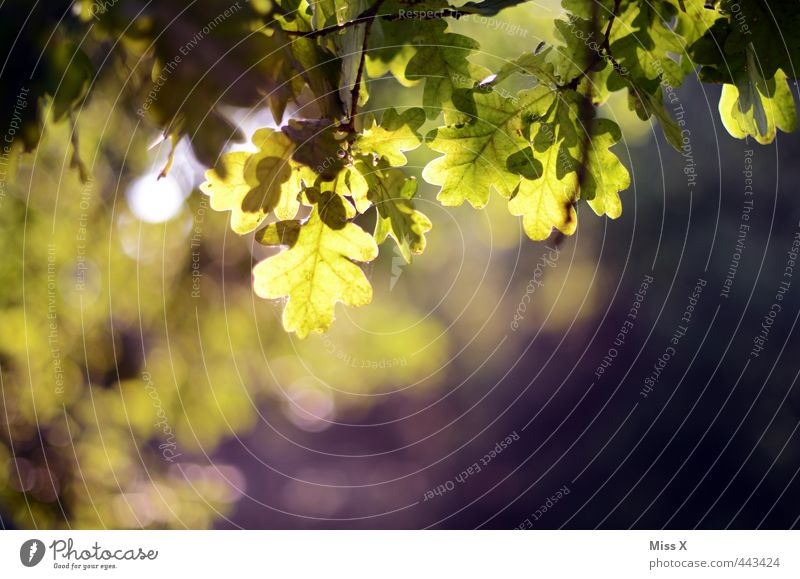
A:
(309, 184)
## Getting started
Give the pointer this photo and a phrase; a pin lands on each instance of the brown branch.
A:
(449, 12)
(360, 19)
(611, 20)
(606, 46)
(370, 15)
(586, 110)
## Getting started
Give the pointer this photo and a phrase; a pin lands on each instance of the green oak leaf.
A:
(442, 61)
(524, 163)
(642, 40)
(559, 144)
(317, 69)
(758, 107)
(395, 135)
(323, 13)
(476, 153)
(490, 7)
(351, 182)
(288, 11)
(588, 10)
(390, 49)
(692, 22)
(580, 46)
(769, 29)
(648, 101)
(251, 185)
(315, 272)
(318, 144)
(333, 209)
(742, 54)
(392, 193)
(280, 233)
(605, 175)
(547, 202)
(537, 63)
(348, 183)
(227, 188)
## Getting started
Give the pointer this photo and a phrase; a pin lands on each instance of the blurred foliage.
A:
(117, 383)
(520, 124)
(132, 347)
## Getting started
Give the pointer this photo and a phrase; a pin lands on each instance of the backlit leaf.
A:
(316, 272)
(442, 62)
(395, 135)
(475, 153)
(251, 185)
(392, 193)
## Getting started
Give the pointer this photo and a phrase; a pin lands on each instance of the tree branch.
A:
(586, 111)
(370, 15)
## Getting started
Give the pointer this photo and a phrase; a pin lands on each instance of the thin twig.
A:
(370, 14)
(356, 91)
(360, 19)
(611, 20)
(604, 50)
(606, 46)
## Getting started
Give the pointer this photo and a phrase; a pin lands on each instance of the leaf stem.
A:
(356, 90)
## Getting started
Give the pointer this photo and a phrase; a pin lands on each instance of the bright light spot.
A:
(157, 141)
(248, 121)
(155, 200)
(308, 406)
